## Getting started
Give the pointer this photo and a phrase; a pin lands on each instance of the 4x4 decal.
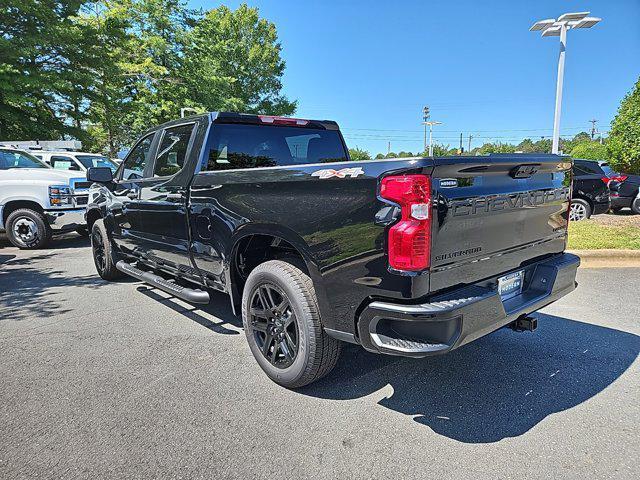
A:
(345, 172)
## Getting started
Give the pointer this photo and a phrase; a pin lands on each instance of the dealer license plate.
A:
(510, 285)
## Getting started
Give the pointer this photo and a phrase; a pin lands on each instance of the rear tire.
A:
(580, 210)
(283, 327)
(635, 206)
(104, 256)
(28, 229)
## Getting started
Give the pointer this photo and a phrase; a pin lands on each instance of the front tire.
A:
(104, 256)
(28, 229)
(283, 327)
(580, 210)
(635, 206)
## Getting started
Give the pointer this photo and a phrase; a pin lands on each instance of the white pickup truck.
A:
(37, 201)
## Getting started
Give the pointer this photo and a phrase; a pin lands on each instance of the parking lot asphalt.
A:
(120, 380)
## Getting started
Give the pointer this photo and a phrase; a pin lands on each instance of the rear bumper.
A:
(449, 321)
(621, 202)
(66, 220)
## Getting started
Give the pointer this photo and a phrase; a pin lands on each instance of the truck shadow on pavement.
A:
(497, 387)
(219, 310)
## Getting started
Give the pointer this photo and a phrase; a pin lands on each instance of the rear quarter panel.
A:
(331, 221)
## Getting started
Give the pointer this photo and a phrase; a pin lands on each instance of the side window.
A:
(172, 152)
(252, 146)
(135, 162)
(61, 162)
(589, 168)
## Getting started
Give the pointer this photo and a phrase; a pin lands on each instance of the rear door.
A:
(496, 214)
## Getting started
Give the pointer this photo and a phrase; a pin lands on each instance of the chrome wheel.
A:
(578, 212)
(273, 324)
(25, 230)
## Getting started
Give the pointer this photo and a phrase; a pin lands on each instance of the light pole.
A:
(184, 110)
(558, 28)
(431, 124)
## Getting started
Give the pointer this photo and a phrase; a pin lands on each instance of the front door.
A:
(132, 174)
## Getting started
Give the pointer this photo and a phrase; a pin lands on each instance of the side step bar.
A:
(187, 294)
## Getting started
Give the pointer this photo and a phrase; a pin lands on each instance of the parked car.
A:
(410, 257)
(75, 161)
(37, 201)
(624, 193)
(590, 190)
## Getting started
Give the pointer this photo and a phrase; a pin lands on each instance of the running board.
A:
(187, 294)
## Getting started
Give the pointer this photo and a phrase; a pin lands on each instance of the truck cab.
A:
(37, 201)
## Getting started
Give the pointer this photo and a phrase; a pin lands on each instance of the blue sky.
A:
(372, 65)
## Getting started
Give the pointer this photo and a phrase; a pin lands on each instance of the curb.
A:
(608, 258)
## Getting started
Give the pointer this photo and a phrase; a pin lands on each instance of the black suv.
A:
(590, 190)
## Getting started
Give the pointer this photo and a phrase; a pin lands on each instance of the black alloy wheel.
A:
(99, 256)
(273, 324)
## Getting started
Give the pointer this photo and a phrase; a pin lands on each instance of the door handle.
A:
(132, 195)
(174, 196)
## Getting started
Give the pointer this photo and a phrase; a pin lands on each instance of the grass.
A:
(589, 235)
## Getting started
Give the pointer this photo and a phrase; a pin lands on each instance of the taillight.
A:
(606, 180)
(618, 178)
(282, 120)
(409, 239)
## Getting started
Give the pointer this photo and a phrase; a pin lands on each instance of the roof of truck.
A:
(251, 119)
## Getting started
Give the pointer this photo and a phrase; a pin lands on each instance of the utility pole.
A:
(425, 117)
(470, 137)
(388, 148)
(594, 130)
(461, 147)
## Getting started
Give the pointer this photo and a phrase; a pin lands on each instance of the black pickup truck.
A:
(412, 256)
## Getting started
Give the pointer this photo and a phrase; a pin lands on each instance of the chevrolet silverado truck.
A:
(411, 257)
(37, 202)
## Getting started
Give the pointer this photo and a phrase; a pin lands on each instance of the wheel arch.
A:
(93, 214)
(13, 205)
(260, 243)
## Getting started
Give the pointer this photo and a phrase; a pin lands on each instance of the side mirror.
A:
(100, 175)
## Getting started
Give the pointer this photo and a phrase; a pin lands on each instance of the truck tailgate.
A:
(495, 214)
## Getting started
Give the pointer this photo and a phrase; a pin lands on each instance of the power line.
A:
(454, 131)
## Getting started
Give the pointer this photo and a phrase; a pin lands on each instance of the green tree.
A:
(380, 156)
(404, 154)
(232, 61)
(590, 151)
(35, 76)
(624, 138)
(359, 154)
(526, 146)
(498, 147)
(543, 145)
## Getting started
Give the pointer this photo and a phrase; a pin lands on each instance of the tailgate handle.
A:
(524, 171)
